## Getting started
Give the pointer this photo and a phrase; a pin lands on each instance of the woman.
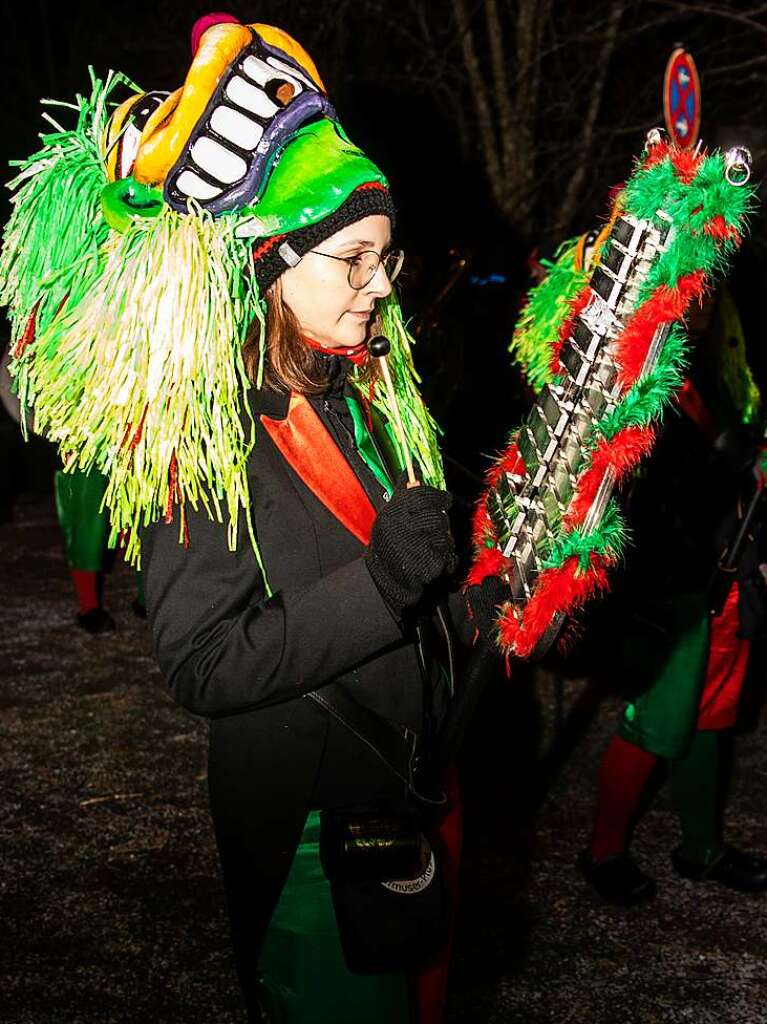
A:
(218, 260)
(347, 555)
(337, 606)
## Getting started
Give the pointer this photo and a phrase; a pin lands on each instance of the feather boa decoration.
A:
(708, 213)
(547, 305)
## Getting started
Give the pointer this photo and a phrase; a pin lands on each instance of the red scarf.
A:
(357, 354)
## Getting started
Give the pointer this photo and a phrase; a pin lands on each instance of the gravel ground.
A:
(110, 906)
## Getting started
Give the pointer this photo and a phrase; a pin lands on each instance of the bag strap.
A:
(392, 744)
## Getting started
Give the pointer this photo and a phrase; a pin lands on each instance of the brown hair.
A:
(290, 364)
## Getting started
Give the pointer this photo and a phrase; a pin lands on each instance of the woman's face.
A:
(318, 293)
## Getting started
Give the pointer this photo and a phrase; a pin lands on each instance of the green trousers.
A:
(83, 524)
(663, 719)
(303, 975)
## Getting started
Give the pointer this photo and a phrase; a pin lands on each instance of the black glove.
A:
(411, 544)
(484, 600)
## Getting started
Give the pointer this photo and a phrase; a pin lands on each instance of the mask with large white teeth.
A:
(263, 98)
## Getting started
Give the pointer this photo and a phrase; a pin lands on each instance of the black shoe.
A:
(96, 621)
(734, 869)
(617, 880)
(138, 609)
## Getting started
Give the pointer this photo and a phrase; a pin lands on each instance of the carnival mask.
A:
(249, 90)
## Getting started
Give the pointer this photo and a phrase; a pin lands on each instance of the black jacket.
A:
(226, 649)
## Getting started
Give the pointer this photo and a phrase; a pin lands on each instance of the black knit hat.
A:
(275, 255)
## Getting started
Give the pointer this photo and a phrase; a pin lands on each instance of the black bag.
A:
(387, 881)
(388, 886)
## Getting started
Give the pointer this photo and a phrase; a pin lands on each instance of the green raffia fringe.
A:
(142, 378)
(547, 307)
(420, 428)
(134, 367)
(52, 239)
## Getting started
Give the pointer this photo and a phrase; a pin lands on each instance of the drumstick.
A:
(379, 348)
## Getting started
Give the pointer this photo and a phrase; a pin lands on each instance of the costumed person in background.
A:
(219, 283)
(684, 652)
(686, 666)
(85, 528)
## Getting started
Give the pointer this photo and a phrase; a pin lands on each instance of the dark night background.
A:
(577, 86)
(105, 852)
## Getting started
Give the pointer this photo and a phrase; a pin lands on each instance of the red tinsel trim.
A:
(489, 562)
(139, 430)
(686, 165)
(371, 185)
(29, 331)
(656, 155)
(172, 484)
(510, 461)
(577, 304)
(718, 228)
(664, 305)
(481, 524)
(556, 590)
(619, 453)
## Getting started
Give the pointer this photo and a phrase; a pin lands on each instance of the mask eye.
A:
(130, 137)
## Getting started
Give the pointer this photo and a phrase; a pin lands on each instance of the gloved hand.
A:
(484, 599)
(411, 544)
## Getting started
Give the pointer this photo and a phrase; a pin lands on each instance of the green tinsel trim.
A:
(708, 196)
(608, 538)
(547, 307)
(648, 398)
(421, 430)
(52, 239)
(148, 367)
(691, 250)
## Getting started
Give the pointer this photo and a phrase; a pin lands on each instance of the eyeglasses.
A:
(364, 266)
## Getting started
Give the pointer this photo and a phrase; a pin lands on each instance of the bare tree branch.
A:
(575, 184)
(479, 93)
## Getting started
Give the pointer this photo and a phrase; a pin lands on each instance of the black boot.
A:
(617, 880)
(95, 621)
(733, 868)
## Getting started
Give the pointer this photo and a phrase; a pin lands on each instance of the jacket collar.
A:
(265, 402)
(308, 448)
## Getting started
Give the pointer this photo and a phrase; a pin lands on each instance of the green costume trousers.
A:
(663, 719)
(84, 525)
(303, 974)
